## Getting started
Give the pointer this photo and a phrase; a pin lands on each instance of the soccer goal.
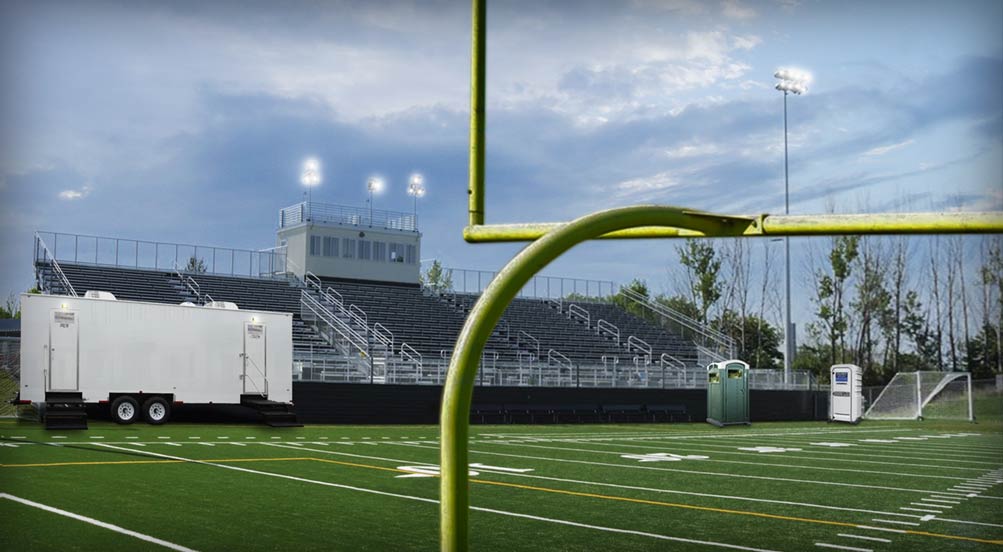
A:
(922, 395)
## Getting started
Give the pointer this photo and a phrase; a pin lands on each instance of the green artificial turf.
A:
(225, 487)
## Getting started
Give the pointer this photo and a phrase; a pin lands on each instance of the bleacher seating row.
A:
(427, 323)
(581, 413)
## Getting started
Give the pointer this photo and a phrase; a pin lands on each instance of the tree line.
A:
(887, 304)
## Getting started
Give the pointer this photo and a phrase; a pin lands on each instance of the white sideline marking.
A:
(894, 521)
(862, 537)
(92, 437)
(131, 437)
(931, 505)
(196, 438)
(838, 547)
(921, 510)
(434, 501)
(162, 437)
(633, 487)
(58, 436)
(18, 437)
(101, 524)
(940, 500)
(173, 444)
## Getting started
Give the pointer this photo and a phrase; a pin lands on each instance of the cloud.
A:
(71, 195)
(736, 10)
(882, 150)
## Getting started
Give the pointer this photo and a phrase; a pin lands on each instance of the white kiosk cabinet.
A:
(846, 398)
(139, 359)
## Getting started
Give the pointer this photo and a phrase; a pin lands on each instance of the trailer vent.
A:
(93, 294)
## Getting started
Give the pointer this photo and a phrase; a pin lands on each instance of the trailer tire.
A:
(156, 411)
(124, 410)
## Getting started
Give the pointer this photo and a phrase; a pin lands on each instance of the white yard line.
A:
(838, 547)
(969, 522)
(931, 505)
(862, 537)
(616, 486)
(434, 501)
(758, 464)
(921, 510)
(98, 523)
(900, 447)
(677, 470)
(896, 522)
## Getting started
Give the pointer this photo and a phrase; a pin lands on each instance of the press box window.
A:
(315, 245)
(365, 250)
(330, 247)
(347, 248)
(380, 252)
(412, 254)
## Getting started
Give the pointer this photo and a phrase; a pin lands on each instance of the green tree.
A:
(702, 268)
(761, 344)
(829, 296)
(621, 300)
(196, 265)
(11, 307)
(680, 304)
(437, 278)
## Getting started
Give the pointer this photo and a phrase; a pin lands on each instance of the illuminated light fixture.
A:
(62, 306)
(416, 189)
(310, 177)
(375, 185)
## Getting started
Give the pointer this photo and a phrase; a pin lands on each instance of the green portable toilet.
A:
(728, 393)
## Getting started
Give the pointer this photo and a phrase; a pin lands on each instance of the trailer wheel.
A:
(124, 410)
(156, 411)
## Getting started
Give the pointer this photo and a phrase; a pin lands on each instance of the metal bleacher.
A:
(539, 341)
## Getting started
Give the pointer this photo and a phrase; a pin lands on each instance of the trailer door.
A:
(63, 350)
(255, 373)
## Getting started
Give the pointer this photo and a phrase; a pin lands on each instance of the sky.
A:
(189, 121)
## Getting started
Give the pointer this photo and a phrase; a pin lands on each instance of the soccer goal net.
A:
(920, 395)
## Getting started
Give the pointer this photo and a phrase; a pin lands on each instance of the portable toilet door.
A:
(255, 368)
(846, 397)
(715, 395)
(64, 350)
(736, 389)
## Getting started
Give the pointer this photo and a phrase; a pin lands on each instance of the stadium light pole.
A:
(375, 185)
(795, 82)
(310, 177)
(416, 189)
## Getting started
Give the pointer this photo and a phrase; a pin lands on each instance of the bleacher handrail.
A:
(207, 299)
(358, 315)
(347, 332)
(93, 250)
(668, 360)
(576, 311)
(635, 343)
(384, 336)
(333, 296)
(47, 255)
(555, 356)
(723, 342)
(410, 354)
(603, 326)
(523, 337)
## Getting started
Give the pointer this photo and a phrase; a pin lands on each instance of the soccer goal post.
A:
(922, 395)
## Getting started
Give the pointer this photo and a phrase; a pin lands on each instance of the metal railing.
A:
(608, 328)
(684, 325)
(462, 280)
(636, 344)
(48, 256)
(327, 213)
(574, 311)
(409, 354)
(523, 338)
(151, 255)
(383, 336)
(312, 311)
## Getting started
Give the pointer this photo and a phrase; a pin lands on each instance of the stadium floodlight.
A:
(310, 177)
(792, 81)
(416, 189)
(375, 186)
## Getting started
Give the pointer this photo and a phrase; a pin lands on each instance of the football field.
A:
(783, 486)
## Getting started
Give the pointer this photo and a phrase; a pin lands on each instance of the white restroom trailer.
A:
(846, 396)
(140, 359)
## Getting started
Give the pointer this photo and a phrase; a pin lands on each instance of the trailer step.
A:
(65, 411)
(274, 414)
